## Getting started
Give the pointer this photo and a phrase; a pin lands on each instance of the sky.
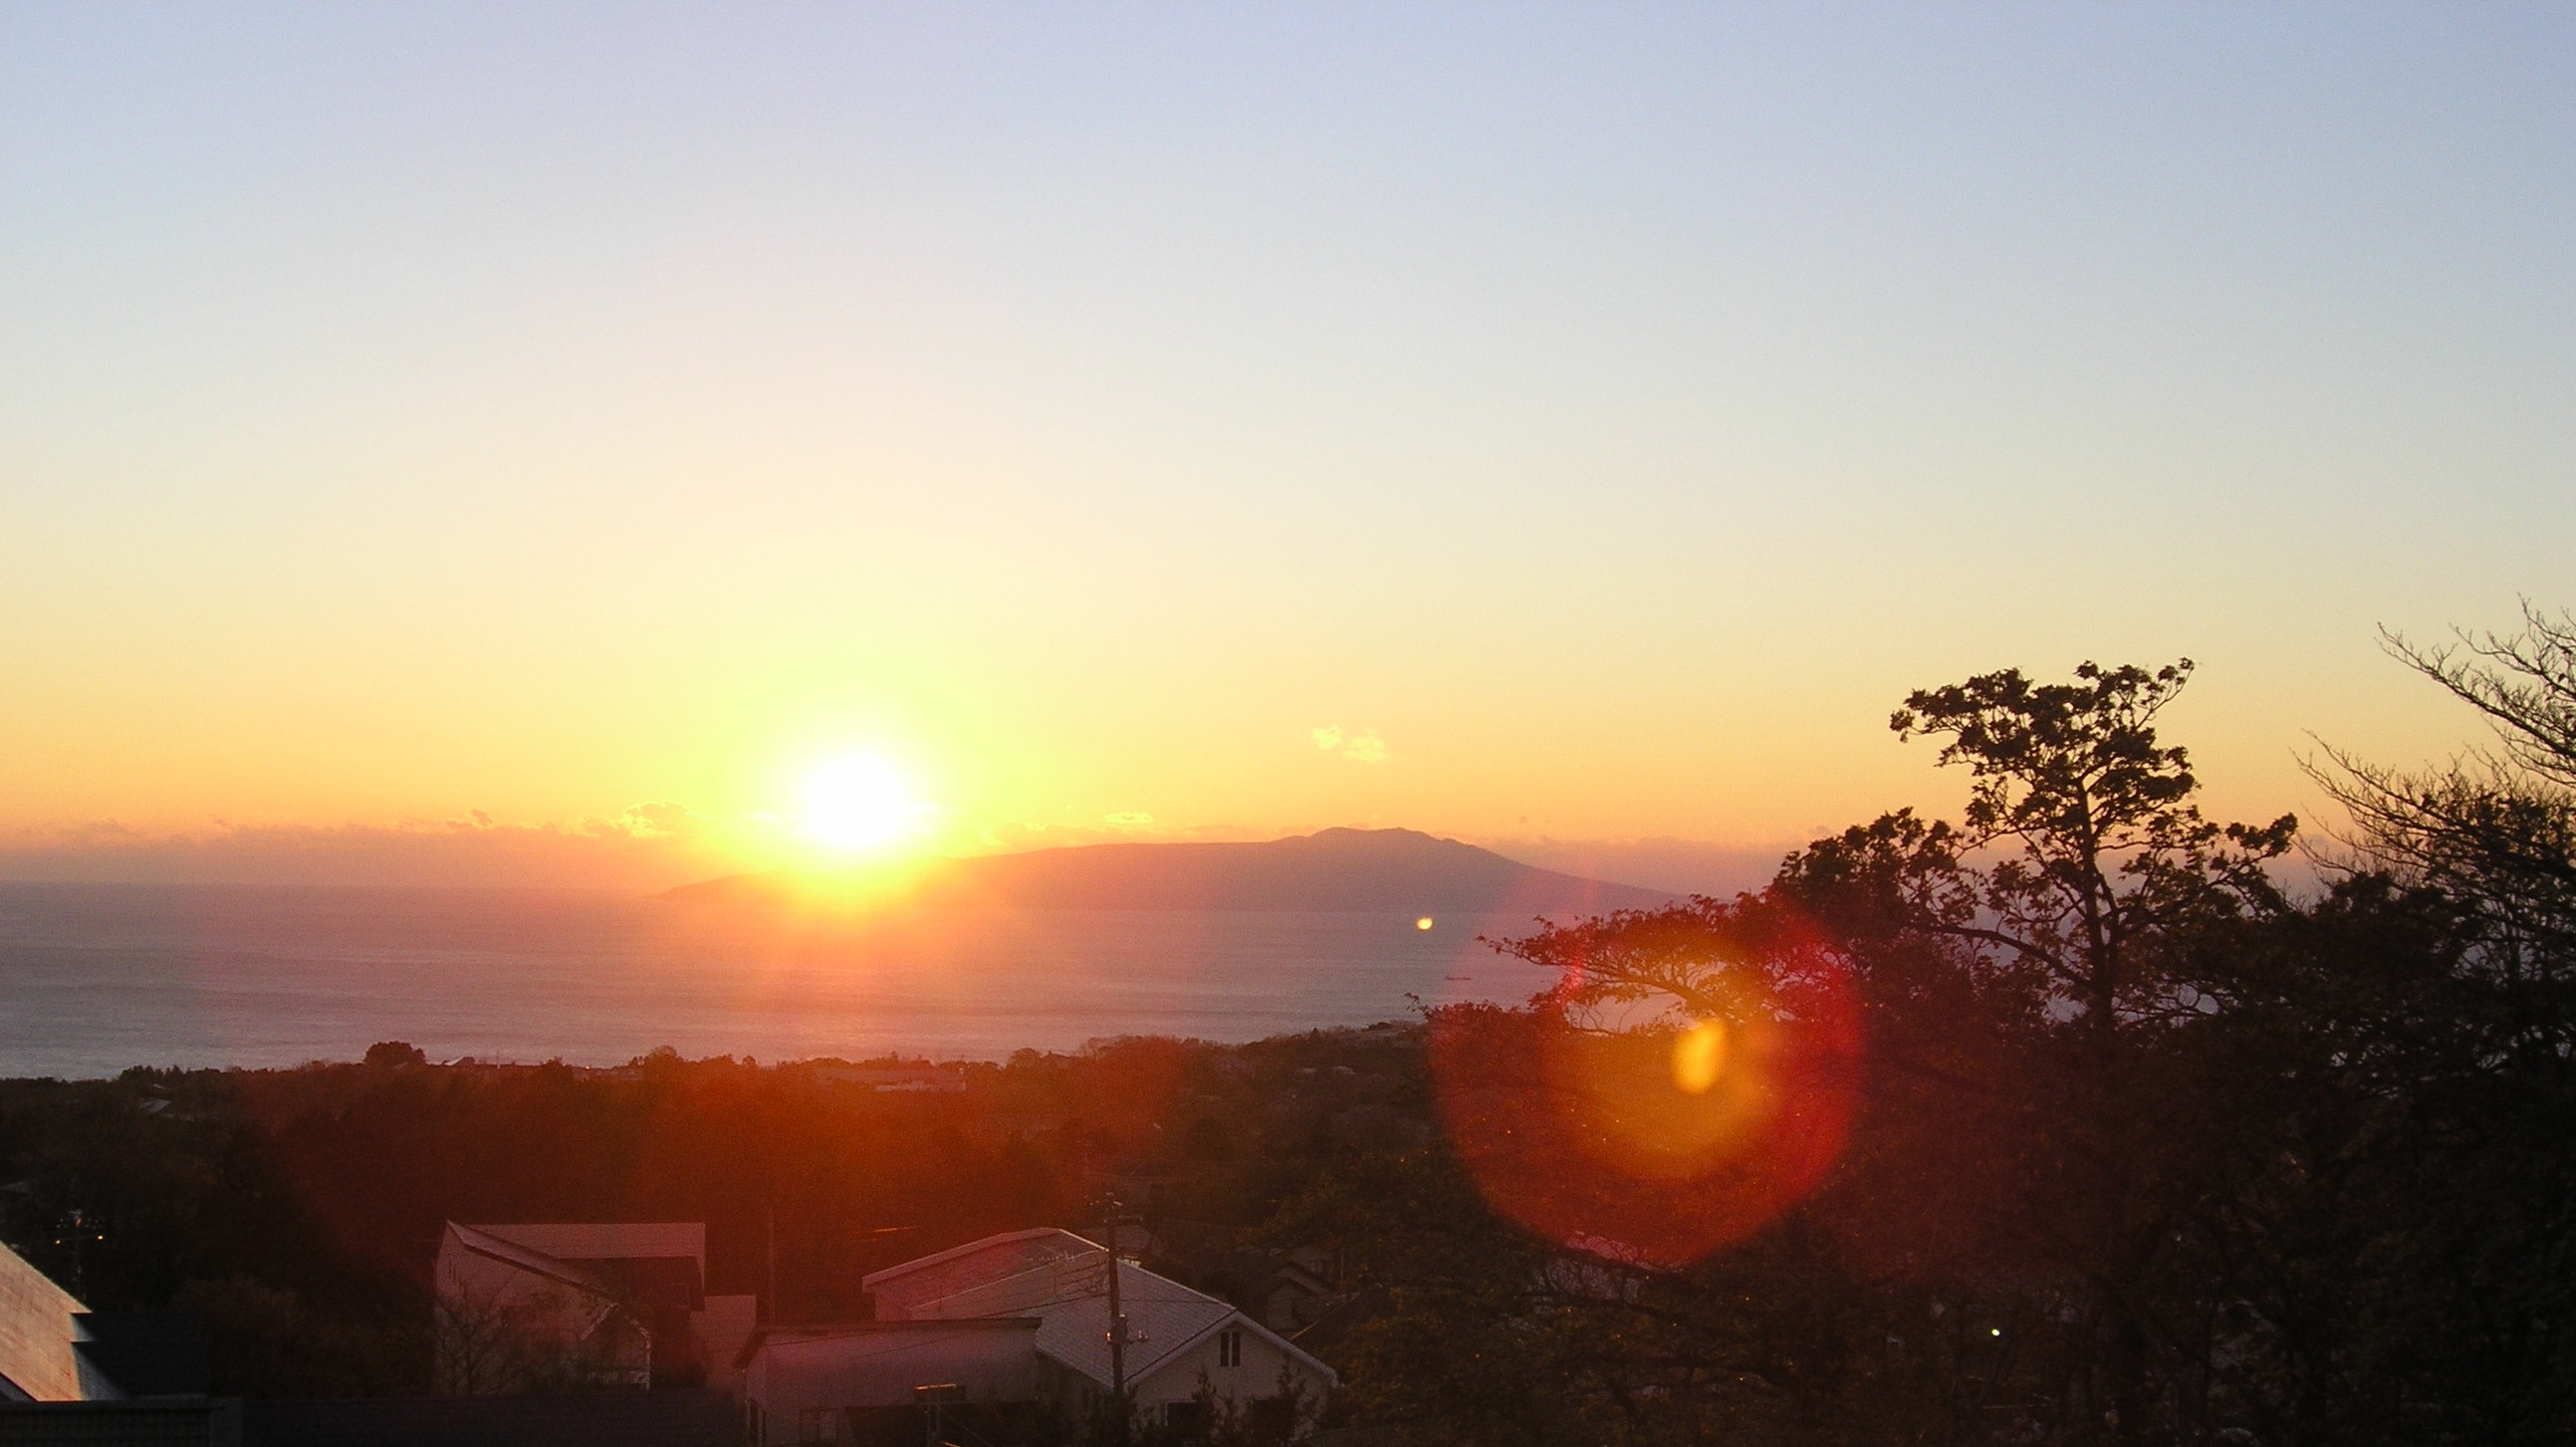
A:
(524, 442)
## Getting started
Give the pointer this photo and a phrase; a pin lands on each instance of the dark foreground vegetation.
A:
(2129, 1144)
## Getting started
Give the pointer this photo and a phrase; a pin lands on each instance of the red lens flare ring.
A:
(1666, 1141)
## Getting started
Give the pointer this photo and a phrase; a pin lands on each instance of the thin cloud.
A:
(647, 847)
(1361, 746)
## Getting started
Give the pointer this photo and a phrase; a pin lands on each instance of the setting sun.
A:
(860, 803)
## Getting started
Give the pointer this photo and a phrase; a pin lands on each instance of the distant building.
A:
(1180, 1342)
(600, 1304)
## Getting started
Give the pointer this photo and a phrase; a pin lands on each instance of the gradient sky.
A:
(1609, 411)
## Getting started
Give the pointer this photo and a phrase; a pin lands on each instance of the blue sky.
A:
(546, 410)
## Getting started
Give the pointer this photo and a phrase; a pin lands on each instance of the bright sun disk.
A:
(859, 803)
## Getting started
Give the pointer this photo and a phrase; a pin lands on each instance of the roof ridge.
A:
(528, 1258)
(981, 1243)
(1126, 1273)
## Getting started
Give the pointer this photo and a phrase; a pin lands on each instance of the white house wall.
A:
(473, 1283)
(1258, 1376)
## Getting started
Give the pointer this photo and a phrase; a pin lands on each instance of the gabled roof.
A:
(482, 1242)
(1063, 1280)
(36, 1331)
(597, 1260)
(1241, 1322)
(945, 1273)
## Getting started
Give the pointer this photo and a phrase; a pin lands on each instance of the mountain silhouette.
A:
(1353, 870)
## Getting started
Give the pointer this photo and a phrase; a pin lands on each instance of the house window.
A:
(1229, 1347)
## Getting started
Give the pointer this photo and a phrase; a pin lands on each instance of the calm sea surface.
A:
(95, 978)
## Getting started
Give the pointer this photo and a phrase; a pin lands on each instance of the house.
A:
(590, 1304)
(71, 1375)
(876, 1381)
(1179, 1342)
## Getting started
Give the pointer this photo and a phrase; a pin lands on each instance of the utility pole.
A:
(1117, 1343)
(769, 1296)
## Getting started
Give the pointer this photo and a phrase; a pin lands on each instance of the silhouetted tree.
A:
(2472, 1292)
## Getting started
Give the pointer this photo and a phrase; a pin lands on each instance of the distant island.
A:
(1353, 870)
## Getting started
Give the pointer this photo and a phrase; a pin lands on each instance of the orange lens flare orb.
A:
(1423, 923)
(1699, 1053)
(1656, 1144)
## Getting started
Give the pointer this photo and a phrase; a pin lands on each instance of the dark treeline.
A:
(2143, 1150)
(298, 1211)
(2129, 1144)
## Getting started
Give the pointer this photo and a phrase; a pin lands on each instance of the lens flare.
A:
(1698, 1055)
(1423, 923)
(1656, 1143)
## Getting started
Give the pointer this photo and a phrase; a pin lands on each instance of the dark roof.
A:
(923, 1326)
(159, 1422)
(146, 1353)
(580, 1419)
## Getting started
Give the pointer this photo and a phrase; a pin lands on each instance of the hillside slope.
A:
(1334, 870)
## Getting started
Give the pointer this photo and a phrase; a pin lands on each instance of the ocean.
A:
(95, 978)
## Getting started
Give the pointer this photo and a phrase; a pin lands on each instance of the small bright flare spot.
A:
(859, 803)
(1698, 1056)
(1423, 923)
